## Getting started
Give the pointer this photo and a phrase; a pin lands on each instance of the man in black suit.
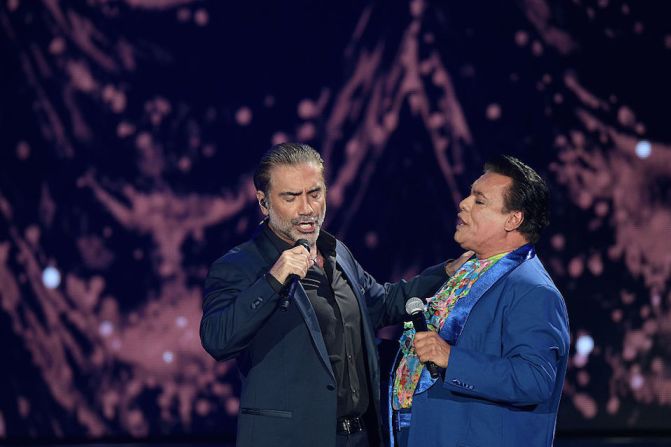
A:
(310, 373)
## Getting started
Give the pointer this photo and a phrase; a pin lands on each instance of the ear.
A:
(263, 203)
(514, 220)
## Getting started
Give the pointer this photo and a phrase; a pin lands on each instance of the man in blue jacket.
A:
(498, 329)
(310, 373)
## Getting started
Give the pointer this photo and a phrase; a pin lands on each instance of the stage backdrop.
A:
(130, 129)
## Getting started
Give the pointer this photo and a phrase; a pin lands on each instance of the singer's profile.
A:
(301, 322)
(498, 329)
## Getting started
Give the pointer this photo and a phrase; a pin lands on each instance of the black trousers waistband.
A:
(347, 426)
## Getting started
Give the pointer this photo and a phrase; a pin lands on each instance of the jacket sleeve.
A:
(235, 306)
(535, 339)
(386, 302)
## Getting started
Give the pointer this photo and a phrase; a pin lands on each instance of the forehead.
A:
(492, 184)
(295, 177)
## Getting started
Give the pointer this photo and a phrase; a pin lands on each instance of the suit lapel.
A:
(457, 318)
(300, 299)
(348, 270)
(344, 261)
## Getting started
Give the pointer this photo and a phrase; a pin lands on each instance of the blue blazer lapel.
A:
(456, 320)
(301, 301)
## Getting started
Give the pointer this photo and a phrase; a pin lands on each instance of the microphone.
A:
(415, 308)
(292, 280)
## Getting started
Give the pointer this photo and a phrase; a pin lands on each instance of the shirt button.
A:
(349, 356)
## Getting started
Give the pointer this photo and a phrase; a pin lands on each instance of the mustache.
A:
(302, 220)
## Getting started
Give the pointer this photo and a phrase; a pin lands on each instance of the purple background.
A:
(130, 130)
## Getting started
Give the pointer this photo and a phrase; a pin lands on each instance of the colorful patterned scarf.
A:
(437, 309)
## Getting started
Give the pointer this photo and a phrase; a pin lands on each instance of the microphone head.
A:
(303, 243)
(414, 305)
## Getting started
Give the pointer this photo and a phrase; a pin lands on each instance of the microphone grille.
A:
(414, 305)
(303, 243)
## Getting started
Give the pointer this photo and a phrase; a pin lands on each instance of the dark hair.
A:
(528, 193)
(284, 154)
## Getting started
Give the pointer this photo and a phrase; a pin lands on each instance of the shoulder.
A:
(246, 257)
(531, 273)
(531, 277)
(530, 295)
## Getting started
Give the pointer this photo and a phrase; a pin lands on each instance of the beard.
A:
(288, 229)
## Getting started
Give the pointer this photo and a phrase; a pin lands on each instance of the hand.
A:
(431, 348)
(294, 261)
(453, 265)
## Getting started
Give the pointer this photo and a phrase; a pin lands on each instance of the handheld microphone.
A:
(415, 308)
(292, 280)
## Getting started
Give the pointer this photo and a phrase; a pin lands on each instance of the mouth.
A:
(460, 222)
(306, 227)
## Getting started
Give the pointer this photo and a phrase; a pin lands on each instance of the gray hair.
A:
(284, 154)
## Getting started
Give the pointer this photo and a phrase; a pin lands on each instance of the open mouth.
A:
(306, 227)
(460, 222)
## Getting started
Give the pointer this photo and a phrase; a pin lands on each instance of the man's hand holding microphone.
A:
(431, 349)
(292, 265)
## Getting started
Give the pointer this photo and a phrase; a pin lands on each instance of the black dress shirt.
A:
(339, 317)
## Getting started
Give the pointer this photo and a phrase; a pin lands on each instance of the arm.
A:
(239, 299)
(234, 307)
(386, 302)
(534, 339)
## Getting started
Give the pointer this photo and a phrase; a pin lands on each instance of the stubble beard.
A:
(285, 228)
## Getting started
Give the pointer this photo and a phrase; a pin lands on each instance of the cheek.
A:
(283, 212)
(488, 224)
(319, 205)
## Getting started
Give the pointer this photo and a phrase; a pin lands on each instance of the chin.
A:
(310, 237)
(461, 243)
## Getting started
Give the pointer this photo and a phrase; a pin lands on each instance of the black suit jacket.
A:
(288, 392)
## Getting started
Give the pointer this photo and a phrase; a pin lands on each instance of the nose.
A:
(463, 205)
(305, 207)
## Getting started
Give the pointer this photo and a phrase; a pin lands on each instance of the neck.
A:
(280, 235)
(503, 248)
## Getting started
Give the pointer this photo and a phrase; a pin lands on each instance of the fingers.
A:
(431, 348)
(300, 250)
(453, 265)
(466, 255)
(424, 338)
(297, 261)
(294, 261)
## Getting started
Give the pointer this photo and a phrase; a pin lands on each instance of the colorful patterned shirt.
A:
(438, 308)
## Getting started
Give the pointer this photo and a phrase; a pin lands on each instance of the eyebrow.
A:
(290, 193)
(296, 194)
(478, 193)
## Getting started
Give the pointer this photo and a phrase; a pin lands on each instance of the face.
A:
(483, 226)
(296, 202)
